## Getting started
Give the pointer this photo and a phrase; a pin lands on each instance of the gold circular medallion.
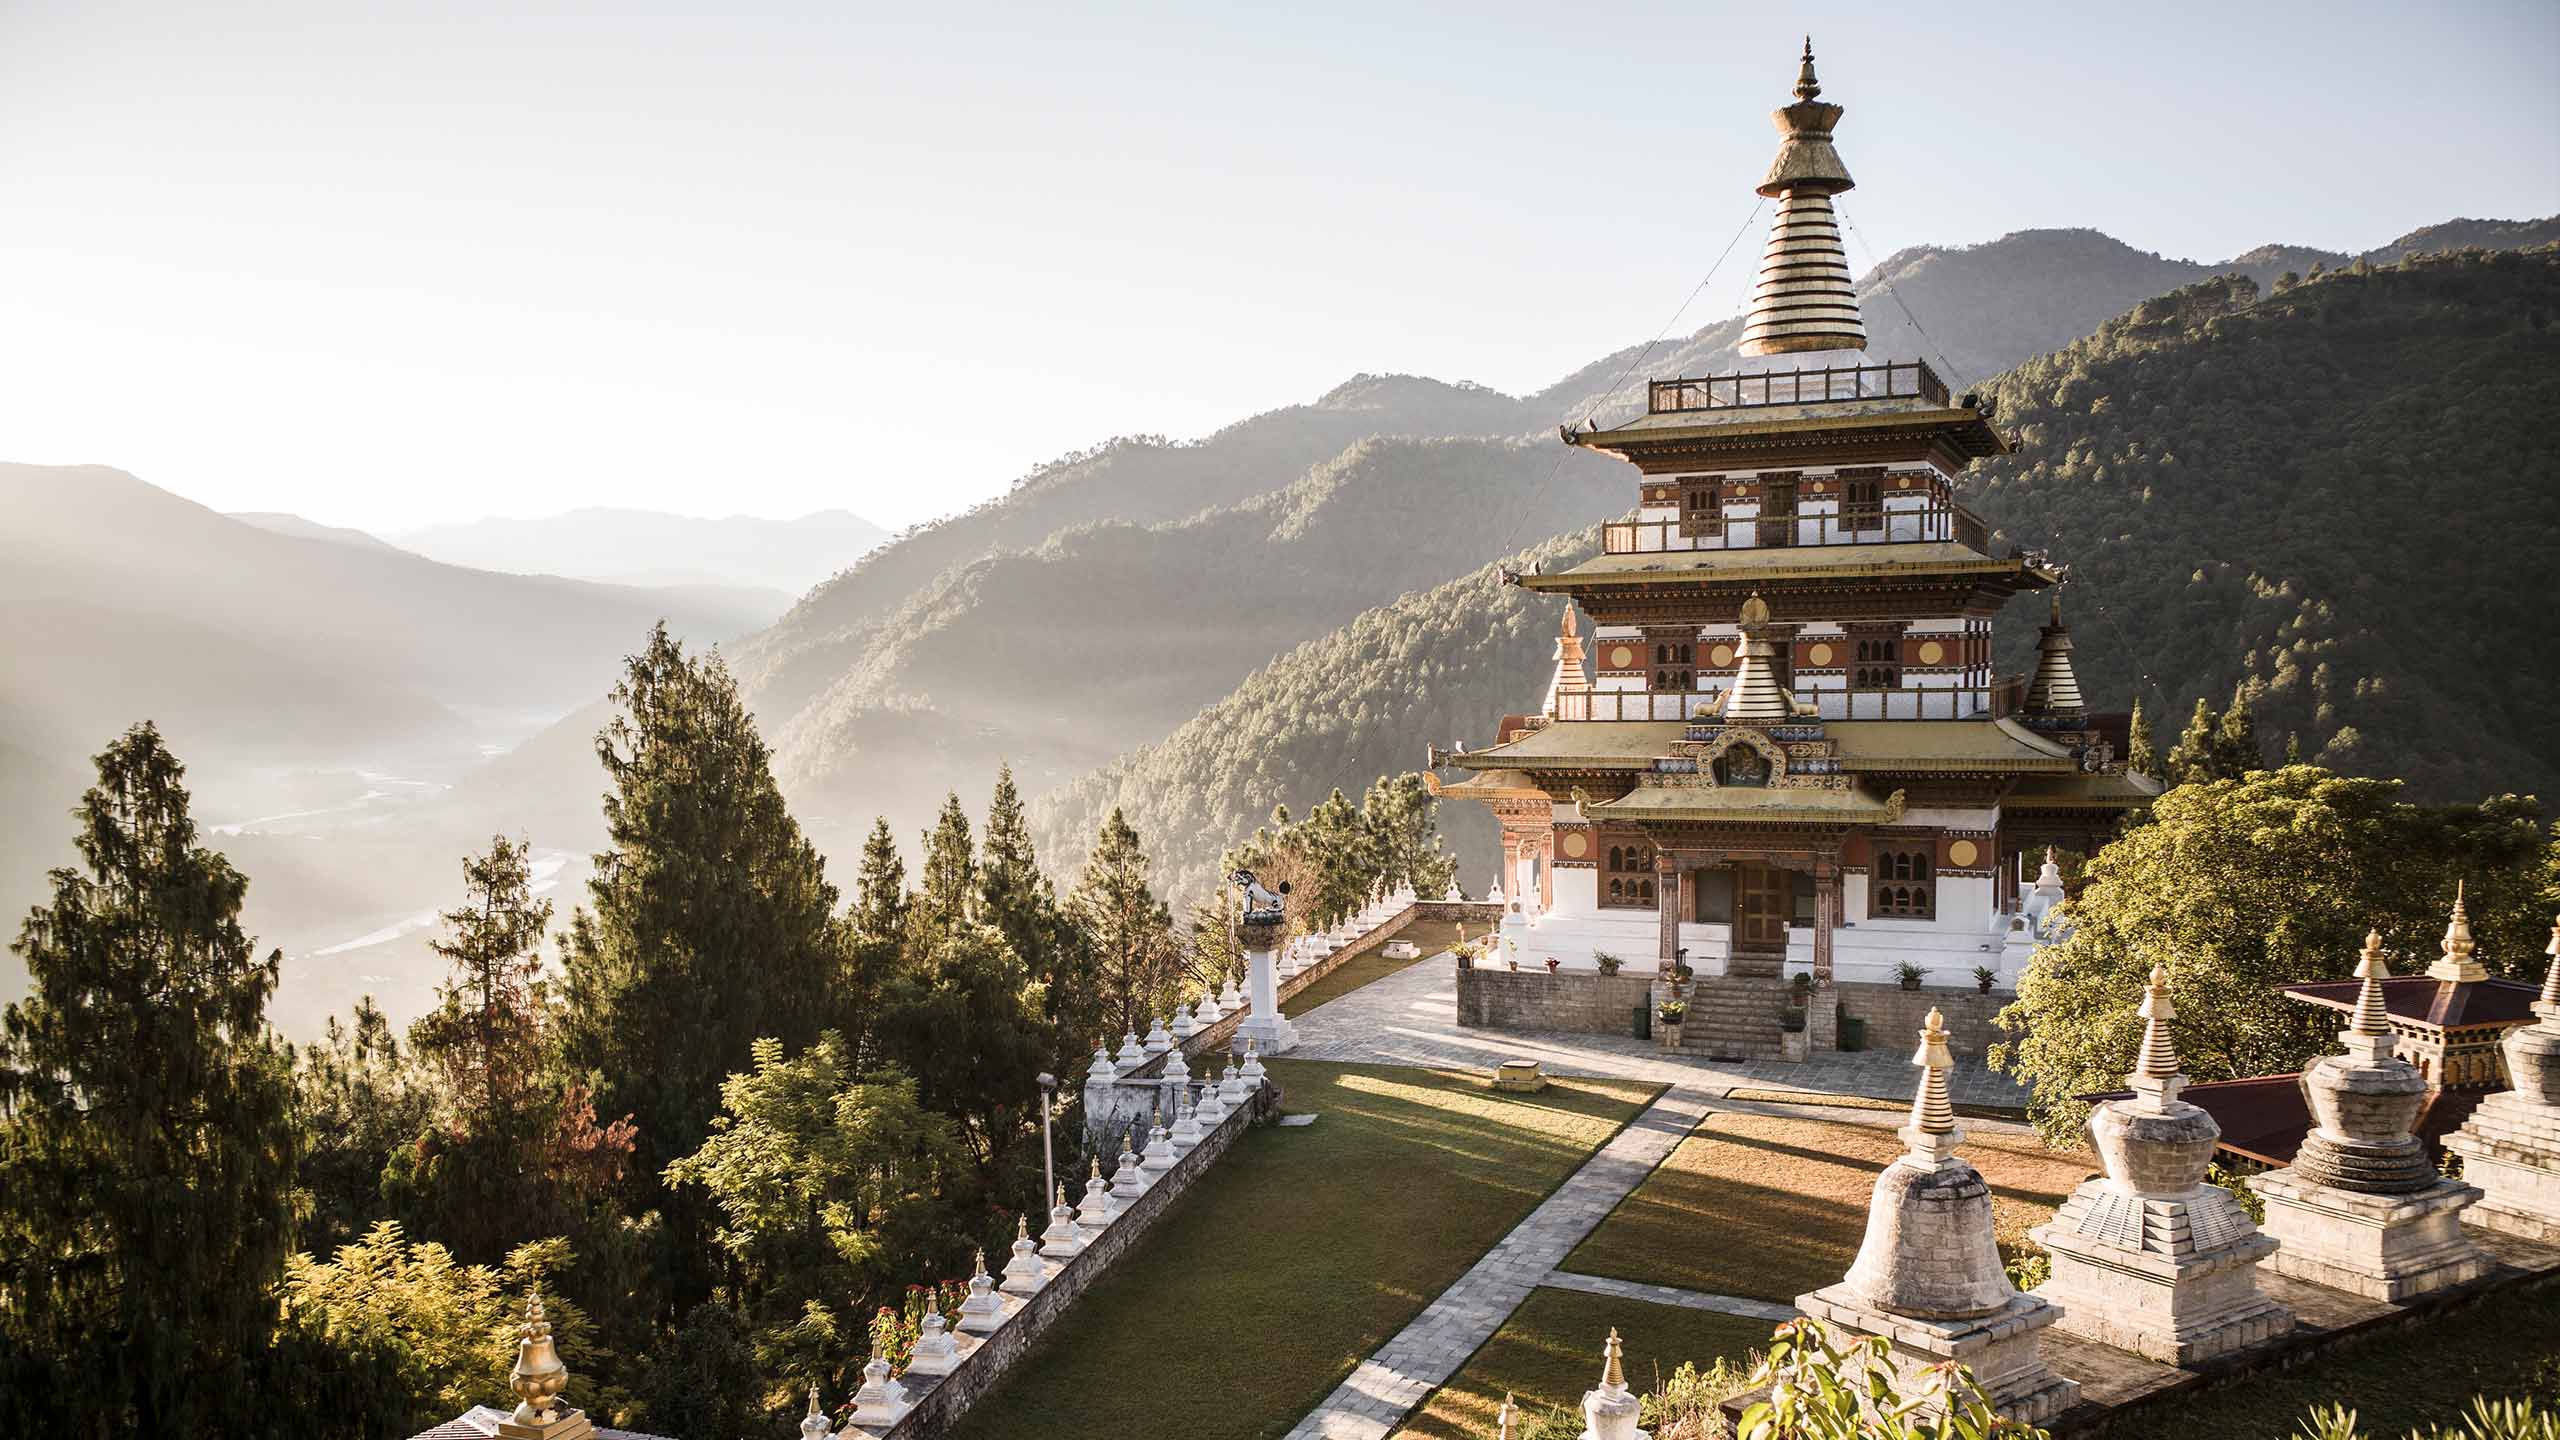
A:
(1963, 853)
(1620, 657)
(1931, 652)
(1721, 655)
(1818, 655)
(1576, 844)
(1902, 484)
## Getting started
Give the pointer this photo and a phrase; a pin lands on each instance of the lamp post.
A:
(1048, 1152)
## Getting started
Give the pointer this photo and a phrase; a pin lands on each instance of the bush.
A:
(1607, 962)
(1690, 1405)
(2489, 1420)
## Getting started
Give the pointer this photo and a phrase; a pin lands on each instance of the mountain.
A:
(281, 523)
(651, 548)
(2296, 488)
(279, 665)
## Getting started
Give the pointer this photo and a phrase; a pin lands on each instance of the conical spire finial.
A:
(539, 1375)
(2459, 961)
(814, 1426)
(1932, 1133)
(2371, 1017)
(1613, 1372)
(1507, 1420)
(1807, 87)
(2155, 1069)
(2551, 977)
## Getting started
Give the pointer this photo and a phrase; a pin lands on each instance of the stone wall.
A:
(939, 1409)
(1585, 1002)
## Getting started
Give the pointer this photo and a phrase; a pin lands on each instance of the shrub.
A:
(1690, 1405)
(1821, 1392)
(1607, 962)
(2489, 1420)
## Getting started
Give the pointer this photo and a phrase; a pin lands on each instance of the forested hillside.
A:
(2342, 492)
(2335, 492)
(1431, 667)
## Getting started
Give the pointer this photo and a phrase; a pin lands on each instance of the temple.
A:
(1789, 752)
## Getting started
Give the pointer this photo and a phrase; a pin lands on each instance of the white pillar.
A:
(1270, 1030)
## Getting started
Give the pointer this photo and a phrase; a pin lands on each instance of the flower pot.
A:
(1910, 984)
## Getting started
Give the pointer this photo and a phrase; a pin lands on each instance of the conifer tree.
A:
(2236, 738)
(1018, 900)
(2141, 752)
(2197, 756)
(710, 925)
(515, 1156)
(145, 1130)
(947, 883)
(1136, 961)
(357, 1101)
(1404, 839)
(880, 889)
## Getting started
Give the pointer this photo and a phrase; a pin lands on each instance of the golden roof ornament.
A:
(1755, 611)
(1803, 300)
(537, 1380)
(2458, 962)
(1932, 1133)
(1807, 87)
(2055, 689)
(2156, 1073)
(1613, 1373)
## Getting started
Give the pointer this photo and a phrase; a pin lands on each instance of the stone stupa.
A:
(2510, 1147)
(1928, 1276)
(2361, 1209)
(2147, 1257)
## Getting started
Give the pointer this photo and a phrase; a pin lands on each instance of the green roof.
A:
(1746, 803)
(1761, 563)
(1886, 746)
(1581, 744)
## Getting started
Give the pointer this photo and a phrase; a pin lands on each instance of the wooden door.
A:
(1763, 897)
(1778, 511)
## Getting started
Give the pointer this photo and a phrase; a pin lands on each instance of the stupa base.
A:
(2510, 1149)
(2001, 1348)
(2384, 1247)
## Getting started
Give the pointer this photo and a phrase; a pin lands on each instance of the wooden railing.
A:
(1886, 523)
(1903, 379)
(1907, 702)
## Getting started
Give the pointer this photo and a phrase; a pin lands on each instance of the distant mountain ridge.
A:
(653, 548)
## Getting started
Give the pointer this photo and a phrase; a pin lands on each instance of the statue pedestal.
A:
(1268, 1029)
(2000, 1348)
(2389, 1247)
(2171, 1278)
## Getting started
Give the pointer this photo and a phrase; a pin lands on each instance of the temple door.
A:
(1763, 898)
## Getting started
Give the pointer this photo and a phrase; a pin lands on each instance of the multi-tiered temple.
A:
(1793, 753)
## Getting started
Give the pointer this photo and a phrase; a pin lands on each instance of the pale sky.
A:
(385, 264)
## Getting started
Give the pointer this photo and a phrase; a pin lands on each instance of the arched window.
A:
(1661, 654)
(1648, 891)
(1902, 886)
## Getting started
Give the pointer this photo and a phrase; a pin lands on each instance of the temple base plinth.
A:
(2385, 1247)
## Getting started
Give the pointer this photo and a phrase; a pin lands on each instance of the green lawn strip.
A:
(1430, 936)
(1301, 1252)
(1549, 1352)
(1826, 1100)
(1771, 1207)
(2398, 1379)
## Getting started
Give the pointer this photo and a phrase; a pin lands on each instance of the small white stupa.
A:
(1062, 1241)
(881, 1402)
(984, 1310)
(1098, 1206)
(1610, 1411)
(937, 1349)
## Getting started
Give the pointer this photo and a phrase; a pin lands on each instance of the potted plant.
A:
(1607, 962)
(1553, 964)
(1984, 977)
(1910, 975)
(1667, 1017)
(1800, 985)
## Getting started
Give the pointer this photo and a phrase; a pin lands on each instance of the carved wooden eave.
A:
(1740, 440)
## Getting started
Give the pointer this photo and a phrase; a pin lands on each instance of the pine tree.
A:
(515, 1156)
(357, 1101)
(2196, 757)
(145, 1130)
(2141, 754)
(1136, 961)
(711, 925)
(880, 890)
(1404, 838)
(2236, 738)
(1018, 900)
(948, 881)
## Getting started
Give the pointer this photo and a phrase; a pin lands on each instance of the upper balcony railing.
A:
(1893, 520)
(1899, 703)
(1898, 380)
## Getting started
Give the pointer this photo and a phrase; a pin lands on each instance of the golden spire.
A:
(2458, 963)
(2551, 976)
(1507, 1420)
(1803, 300)
(1613, 1374)
(2055, 690)
(1755, 696)
(814, 1425)
(537, 1380)
(2371, 1017)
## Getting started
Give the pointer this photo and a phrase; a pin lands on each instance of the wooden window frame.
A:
(1626, 873)
(1902, 878)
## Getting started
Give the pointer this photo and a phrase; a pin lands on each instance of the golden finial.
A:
(1807, 87)
(1568, 622)
(814, 1425)
(978, 1263)
(2370, 1016)
(1021, 1227)
(1755, 611)
(2155, 1068)
(1613, 1374)
(538, 1376)
(1507, 1420)
(2459, 962)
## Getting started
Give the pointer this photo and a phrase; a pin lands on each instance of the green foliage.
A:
(2295, 493)
(2522, 1419)
(145, 1129)
(2241, 886)
(1689, 1403)
(357, 1100)
(707, 1381)
(2237, 1182)
(450, 1328)
(710, 925)
(1819, 1391)
(1136, 960)
(830, 1189)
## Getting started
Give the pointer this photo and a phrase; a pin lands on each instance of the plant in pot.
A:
(1984, 977)
(1910, 975)
(1607, 962)
(1793, 1042)
(1553, 964)
(1800, 986)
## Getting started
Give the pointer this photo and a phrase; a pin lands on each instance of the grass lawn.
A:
(1300, 1252)
(2395, 1380)
(1433, 936)
(1773, 1206)
(1549, 1352)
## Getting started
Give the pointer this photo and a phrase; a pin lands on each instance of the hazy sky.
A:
(383, 264)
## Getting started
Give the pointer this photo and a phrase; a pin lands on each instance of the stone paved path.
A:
(1411, 1018)
(1389, 1384)
(1669, 1295)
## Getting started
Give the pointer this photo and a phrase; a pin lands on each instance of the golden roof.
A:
(1741, 803)
(1873, 746)
(1758, 564)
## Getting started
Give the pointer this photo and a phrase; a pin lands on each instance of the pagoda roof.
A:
(1488, 784)
(1757, 565)
(1967, 430)
(2425, 1000)
(1744, 803)
(2082, 791)
(1870, 746)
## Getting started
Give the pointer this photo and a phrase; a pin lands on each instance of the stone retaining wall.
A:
(938, 1409)
(1585, 1002)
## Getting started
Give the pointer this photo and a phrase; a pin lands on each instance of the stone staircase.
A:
(1734, 1017)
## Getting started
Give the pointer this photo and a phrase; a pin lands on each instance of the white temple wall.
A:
(1577, 891)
